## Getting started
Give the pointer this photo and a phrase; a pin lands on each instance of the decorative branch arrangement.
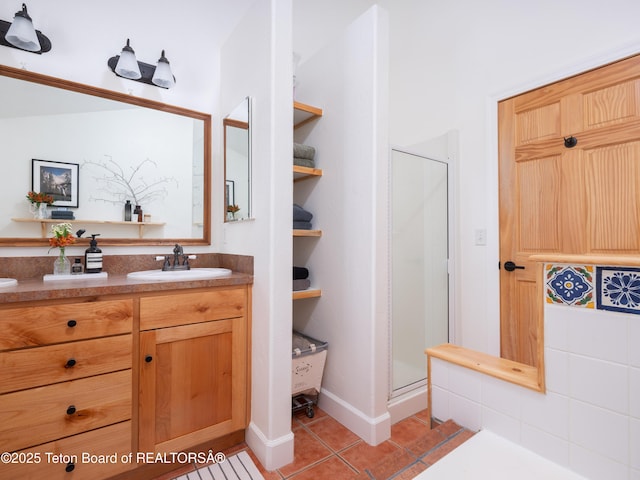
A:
(121, 185)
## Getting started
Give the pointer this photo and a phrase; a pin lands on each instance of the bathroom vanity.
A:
(100, 377)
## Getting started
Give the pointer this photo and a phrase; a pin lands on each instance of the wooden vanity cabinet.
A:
(65, 387)
(194, 351)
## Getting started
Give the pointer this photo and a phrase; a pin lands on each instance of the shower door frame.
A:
(451, 175)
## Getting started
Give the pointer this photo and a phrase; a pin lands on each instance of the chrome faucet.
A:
(180, 260)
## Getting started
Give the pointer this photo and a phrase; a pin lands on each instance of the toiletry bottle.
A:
(127, 211)
(138, 211)
(93, 256)
(76, 267)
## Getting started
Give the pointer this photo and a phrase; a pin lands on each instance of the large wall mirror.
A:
(94, 150)
(237, 162)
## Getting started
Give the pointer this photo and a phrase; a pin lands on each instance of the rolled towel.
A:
(301, 284)
(300, 214)
(304, 162)
(302, 225)
(303, 151)
(300, 273)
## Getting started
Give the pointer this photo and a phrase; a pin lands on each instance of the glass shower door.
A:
(419, 264)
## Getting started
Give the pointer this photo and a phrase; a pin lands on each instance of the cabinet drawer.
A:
(185, 308)
(35, 367)
(39, 415)
(54, 457)
(47, 324)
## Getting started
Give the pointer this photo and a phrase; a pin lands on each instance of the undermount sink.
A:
(179, 275)
(8, 282)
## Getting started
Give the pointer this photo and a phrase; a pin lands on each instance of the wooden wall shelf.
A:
(45, 222)
(303, 173)
(307, 233)
(303, 114)
(311, 293)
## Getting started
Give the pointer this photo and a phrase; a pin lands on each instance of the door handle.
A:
(509, 266)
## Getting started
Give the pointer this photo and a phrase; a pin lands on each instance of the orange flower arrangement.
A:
(38, 198)
(62, 236)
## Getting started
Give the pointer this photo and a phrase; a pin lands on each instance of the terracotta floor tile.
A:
(448, 428)
(408, 431)
(333, 468)
(440, 452)
(411, 472)
(391, 464)
(331, 432)
(307, 450)
(425, 443)
(362, 455)
(424, 416)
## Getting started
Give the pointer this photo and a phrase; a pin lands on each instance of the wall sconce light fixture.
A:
(21, 34)
(127, 66)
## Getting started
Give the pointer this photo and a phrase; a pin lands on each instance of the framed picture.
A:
(58, 179)
(230, 194)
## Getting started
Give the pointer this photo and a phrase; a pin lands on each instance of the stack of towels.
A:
(301, 218)
(303, 155)
(300, 278)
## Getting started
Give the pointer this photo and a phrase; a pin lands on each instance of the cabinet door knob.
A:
(70, 363)
(71, 409)
(148, 359)
(70, 467)
(72, 323)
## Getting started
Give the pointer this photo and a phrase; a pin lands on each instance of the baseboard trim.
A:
(407, 404)
(373, 430)
(272, 454)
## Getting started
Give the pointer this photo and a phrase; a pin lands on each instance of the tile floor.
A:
(323, 448)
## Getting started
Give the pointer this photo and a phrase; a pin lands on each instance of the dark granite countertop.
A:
(29, 272)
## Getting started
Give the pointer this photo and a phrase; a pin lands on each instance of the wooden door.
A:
(563, 199)
(192, 384)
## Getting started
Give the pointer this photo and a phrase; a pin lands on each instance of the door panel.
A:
(556, 198)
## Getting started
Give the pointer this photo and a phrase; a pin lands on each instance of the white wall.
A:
(347, 78)
(256, 61)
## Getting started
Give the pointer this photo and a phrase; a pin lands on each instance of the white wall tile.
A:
(501, 396)
(501, 424)
(440, 403)
(634, 392)
(596, 467)
(549, 413)
(556, 326)
(634, 341)
(465, 382)
(600, 430)
(465, 412)
(599, 334)
(556, 369)
(604, 384)
(545, 444)
(440, 373)
(634, 443)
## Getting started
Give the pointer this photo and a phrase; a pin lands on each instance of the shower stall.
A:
(419, 222)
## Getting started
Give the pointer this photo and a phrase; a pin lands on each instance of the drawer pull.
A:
(70, 363)
(148, 359)
(70, 467)
(71, 410)
(71, 323)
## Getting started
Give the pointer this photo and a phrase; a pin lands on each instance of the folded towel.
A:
(301, 284)
(304, 162)
(300, 214)
(302, 225)
(300, 273)
(303, 151)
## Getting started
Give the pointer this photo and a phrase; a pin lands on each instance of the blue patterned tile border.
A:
(570, 285)
(618, 289)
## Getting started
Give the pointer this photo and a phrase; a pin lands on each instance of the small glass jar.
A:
(77, 268)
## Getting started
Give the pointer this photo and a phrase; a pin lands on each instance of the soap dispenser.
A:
(93, 256)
